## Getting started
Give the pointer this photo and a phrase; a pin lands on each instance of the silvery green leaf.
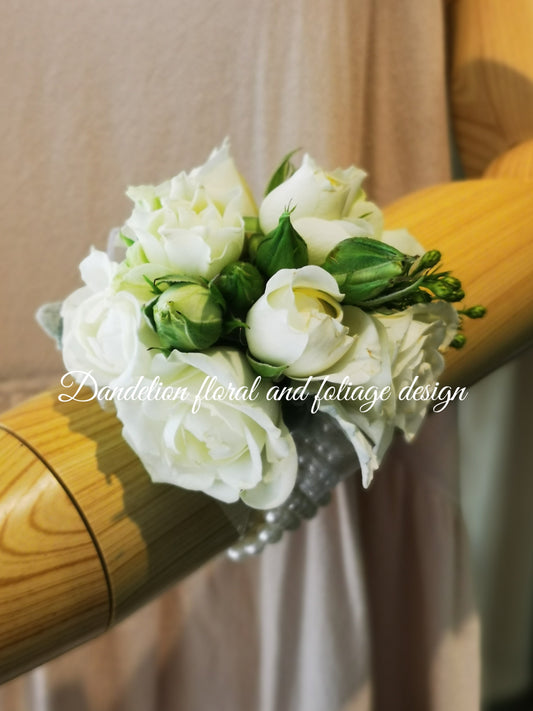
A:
(48, 317)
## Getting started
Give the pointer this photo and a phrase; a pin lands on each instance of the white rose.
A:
(417, 336)
(367, 420)
(327, 207)
(298, 322)
(192, 223)
(227, 448)
(101, 327)
(224, 183)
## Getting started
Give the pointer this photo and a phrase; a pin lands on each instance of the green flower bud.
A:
(241, 284)
(452, 282)
(474, 312)
(445, 288)
(429, 260)
(283, 248)
(458, 295)
(418, 297)
(186, 316)
(459, 341)
(364, 268)
(440, 289)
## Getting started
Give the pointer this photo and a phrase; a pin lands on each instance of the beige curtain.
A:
(369, 605)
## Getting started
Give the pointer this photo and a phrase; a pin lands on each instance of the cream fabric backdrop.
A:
(370, 604)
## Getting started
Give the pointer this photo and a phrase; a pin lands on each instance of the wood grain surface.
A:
(149, 535)
(484, 228)
(85, 536)
(53, 589)
(515, 163)
(491, 78)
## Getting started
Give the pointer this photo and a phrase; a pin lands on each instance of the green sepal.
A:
(358, 294)
(127, 240)
(148, 311)
(217, 295)
(172, 279)
(284, 170)
(265, 370)
(151, 283)
(232, 324)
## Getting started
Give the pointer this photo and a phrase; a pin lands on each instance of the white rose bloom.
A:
(101, 327)
(223, 182)
(298, 322)
(326, 207)
(368, 424)
(228, 448)
(417, 336)
(192, 223)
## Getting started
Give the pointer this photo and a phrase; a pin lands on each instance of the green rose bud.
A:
(186, 316)
(364, 268)
(241, 284)
(283, 248)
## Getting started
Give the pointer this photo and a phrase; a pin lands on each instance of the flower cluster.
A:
(307, 289)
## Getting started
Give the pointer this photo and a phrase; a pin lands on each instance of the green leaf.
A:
(284, 170)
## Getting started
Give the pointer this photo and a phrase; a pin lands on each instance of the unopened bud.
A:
(458, 341)
(458, 295)
(452, 282)
(186, 316)
(475, 311)
(428, 260)
(283, 248)
(241, 284)
(364, 268)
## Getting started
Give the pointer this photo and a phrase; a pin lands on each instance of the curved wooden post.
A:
(85, 537)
